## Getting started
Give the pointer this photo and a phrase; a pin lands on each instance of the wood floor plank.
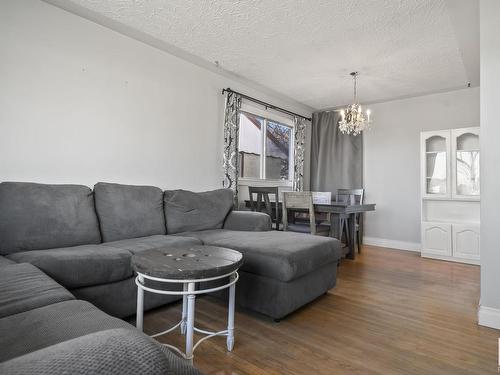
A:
(391, 312)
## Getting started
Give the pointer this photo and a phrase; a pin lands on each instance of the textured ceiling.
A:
(305, 49)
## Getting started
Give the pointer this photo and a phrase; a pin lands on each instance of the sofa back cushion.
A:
(189, 211)
(129, 211)
(38, 216)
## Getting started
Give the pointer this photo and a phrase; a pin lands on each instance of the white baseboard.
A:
(392, 244)
(489, 317)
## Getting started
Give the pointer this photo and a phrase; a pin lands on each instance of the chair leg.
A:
(358, 241)
(342, 225)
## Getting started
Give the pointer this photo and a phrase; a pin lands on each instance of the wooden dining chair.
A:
(351, 196)
(293, 201)
(262, 203)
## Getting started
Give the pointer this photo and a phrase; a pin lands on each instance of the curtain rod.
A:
(267, 105)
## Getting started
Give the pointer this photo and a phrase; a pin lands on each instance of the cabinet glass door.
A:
(436, 166)
(467, 164)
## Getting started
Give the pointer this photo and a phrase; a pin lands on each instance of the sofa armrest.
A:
(116, 351)
(248, 221)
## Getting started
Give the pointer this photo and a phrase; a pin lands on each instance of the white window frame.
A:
(270, 115)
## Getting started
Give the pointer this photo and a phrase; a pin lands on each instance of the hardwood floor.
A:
(392, 312)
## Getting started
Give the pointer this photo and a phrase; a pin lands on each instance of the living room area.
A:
(230, 187)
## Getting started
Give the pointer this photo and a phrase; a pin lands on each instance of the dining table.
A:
(336, 209)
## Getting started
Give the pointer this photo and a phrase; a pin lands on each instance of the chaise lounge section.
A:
(282, 270)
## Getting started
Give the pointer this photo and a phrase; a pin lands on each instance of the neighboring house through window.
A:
(265, 147)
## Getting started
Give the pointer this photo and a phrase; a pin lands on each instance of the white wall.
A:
(80, 103)
(392, 160)
(489, 313)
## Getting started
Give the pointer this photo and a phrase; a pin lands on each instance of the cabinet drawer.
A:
(436, 238)
(466, 241)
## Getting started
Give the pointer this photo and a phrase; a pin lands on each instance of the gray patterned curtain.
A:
(231, 135)
(298, 156)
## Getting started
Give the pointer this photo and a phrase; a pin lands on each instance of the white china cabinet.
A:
(450, 184)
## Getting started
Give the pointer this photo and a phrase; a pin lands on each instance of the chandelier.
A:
(354, 121)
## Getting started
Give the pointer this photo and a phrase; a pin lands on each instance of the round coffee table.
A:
(188, 266)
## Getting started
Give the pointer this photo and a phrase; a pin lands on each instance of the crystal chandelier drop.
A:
(354, 121)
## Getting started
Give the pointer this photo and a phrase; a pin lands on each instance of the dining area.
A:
(339, 215)
(308, 177)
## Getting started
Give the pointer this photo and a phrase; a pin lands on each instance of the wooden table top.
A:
(335, 207)
(187, 263)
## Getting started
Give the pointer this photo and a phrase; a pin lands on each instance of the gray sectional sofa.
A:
(83, 241)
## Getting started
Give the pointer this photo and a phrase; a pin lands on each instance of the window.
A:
(266, 148)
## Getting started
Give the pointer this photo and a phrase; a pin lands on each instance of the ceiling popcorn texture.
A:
(305, 49)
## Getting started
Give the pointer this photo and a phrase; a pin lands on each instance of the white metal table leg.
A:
(184, 309)
(230, 315)
(140, 306)
(190, 322)
(188, 310)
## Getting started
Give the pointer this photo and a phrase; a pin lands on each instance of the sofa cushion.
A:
(119, 299)
(117, 351)
(128, 211)
(39, 328)
(137, 245)
(80, 266)
(189, 211)
(5, 261)
(279, 255)
(38, 216)
(24, 287)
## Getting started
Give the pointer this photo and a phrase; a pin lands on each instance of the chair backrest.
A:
(322, 197)
(351, 196)
(299, 200)
(263, 193)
